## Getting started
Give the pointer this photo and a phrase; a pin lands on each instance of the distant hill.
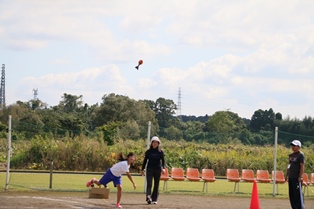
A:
(204, 119)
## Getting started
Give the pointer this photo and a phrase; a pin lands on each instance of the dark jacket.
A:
(295, 159)
(155, 158)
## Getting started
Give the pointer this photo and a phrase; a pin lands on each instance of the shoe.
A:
(118, 206)
(149, 199)
(154, 202)
(90, 183)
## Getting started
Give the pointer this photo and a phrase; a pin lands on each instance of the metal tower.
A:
(2, 88)
(179, 105)
(35, 93)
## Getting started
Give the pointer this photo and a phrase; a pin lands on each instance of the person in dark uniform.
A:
(154, 162)
(294, 175)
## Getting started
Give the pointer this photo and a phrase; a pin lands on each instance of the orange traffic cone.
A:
(254, 198)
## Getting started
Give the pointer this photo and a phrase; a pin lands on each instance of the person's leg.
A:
(149, 182)
(117, 182)
(294, 193)
(291, 193)
(106, 178)
(119, 193)
(95, 181)
(90, 183)
(104, 182)
(157, 174)
(298, 192)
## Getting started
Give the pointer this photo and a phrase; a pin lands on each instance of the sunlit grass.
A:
(77, 182)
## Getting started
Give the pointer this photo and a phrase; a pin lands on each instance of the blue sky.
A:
(239, 55)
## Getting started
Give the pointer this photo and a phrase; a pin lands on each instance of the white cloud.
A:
(223, 54)
(61, 61)
(42, 23)
(94, 82)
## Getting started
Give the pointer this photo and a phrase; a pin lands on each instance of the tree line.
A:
(121, 117)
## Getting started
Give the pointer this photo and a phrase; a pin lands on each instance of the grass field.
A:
(76, 183)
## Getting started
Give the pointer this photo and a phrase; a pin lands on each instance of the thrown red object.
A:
(139, 63)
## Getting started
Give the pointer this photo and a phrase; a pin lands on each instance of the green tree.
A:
(164, 110)
(17, 111)
(118, 108)
(3, 127)
(110, 131)
(129, 130)
(193, 130)
(278, 116)
(30, 125)
(37, 104)
(264, 120)
(72, 124)
(70, 103)
(173, 133)
(224, 126)
(149, 103)
(220, 122)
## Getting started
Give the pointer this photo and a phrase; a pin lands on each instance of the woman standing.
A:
(154, 158)
(114, 174)
(294, 175)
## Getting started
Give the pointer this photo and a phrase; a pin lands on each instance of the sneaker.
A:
(118, 206)
(154, 202)
(90, 183)
(149, 199)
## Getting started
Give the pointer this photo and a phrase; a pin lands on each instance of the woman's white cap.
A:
(296, 143)
(155, 138)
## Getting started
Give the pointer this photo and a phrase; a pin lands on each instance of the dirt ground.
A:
(78, 200)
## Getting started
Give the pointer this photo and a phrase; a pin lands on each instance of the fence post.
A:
(275, 161)
(148, 134)
(51, 170)
(147, 146)
(9, 154)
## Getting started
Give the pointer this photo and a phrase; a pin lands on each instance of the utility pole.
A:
(2, 87)
(35, 93)
(179, 106)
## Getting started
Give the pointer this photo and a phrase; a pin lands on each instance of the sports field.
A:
(69, 191)
(10, 200)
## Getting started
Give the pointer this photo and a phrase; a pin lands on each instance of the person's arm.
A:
(144, 163)
(131, 179)
(301, 160)
(287, 173)
(163, 162)
(301, 172)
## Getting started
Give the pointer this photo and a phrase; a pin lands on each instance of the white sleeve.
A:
(120, 168)
(125, 167)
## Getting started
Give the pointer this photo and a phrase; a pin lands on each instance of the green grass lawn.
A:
(77, 182)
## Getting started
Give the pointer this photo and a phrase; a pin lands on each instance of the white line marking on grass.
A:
(71, 202)
(13, 197)
(41, 198)
(13, 207)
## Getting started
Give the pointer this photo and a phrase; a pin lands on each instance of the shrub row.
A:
(92, 154)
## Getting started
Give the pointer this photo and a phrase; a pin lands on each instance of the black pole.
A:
(51, 169)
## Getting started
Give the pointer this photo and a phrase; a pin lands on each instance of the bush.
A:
(93, 154)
